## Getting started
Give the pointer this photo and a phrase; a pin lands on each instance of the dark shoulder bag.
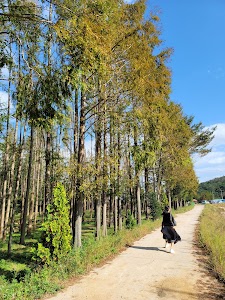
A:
(173, 220)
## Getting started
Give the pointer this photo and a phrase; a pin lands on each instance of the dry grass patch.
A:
(212, 236)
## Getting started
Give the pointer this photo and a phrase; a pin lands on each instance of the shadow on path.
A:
(149, 248)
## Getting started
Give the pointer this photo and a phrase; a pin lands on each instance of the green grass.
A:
(22, 279)
(212, 236)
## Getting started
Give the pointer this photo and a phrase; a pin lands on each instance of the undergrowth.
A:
(49, 279)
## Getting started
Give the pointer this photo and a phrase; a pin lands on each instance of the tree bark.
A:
(120, 221)
(137, 187)
(6, 169)
(37, 191)
(26, 200)
(32, 198)
(104, 205)
(98, 140)
(78, 207)
(11, 181)
(16, 192)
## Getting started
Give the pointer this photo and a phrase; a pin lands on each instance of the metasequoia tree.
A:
(6, 169)
(31, 81)
(89, 50)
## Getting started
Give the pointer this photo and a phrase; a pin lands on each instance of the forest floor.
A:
(147, 271)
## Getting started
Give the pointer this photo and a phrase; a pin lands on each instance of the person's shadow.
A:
(149, 248)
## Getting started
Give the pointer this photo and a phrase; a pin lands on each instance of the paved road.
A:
(147, 271)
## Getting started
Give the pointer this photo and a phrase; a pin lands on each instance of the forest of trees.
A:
(212, 189)
(88, 88)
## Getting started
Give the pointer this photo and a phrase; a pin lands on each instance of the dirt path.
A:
(146, 271)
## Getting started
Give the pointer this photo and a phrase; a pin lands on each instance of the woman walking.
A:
(169, 233)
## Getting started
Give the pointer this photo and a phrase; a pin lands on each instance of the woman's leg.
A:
(171, 248)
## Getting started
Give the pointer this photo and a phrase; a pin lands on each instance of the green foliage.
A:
(164, 201)
(130, 221)
(51, 278)
(34, 286)
(212, 189)
(13, 271)
(5, 60)
(56, 229)
(46, 102)
(155, 206)
(43, 253)
(201, 137)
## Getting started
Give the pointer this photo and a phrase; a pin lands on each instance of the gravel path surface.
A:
(147, 271)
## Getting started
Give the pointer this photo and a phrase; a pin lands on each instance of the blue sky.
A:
(195, 31)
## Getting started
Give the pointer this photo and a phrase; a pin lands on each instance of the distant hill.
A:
(212, 189)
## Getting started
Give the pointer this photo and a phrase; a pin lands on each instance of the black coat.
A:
(168, 219)
(169, 233)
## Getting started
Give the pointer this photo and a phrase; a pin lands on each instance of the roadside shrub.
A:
(130, 221)
(155, 206)
(56, 230)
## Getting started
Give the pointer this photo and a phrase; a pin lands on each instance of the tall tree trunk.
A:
(16, 191)
(37, 191)
(120, 221)
(26, 200)
(104, 205)
(137, 187)
(169, 198)
(78, 207)
(116, 214)
(75, 128)
(74, 159)
(112, 190)
(131, 206)
(6, 167)
(32, 201)
(111, 202)
(98, 136)
(11, 181)
(147, 190)
(48, 134)
(48, 152)
(138, 193)
(104, 214)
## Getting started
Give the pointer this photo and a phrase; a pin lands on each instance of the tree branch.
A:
(26, 17)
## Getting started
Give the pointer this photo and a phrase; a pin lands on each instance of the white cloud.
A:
(219, 136)
(213, 164)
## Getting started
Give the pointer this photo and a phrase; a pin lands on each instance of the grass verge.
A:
(212, 237)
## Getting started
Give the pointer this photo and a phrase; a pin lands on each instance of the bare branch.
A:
(23, 56)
